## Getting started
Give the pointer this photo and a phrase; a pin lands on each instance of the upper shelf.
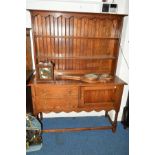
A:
(75, 37)
(79, 57)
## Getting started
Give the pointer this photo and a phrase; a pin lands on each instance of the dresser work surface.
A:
(77, 44)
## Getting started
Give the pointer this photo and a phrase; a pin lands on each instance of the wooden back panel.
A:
(78, 43)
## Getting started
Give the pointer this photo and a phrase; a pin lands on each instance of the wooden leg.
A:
(114, 124)
(37, 116)
(40, 116)
(106, 113)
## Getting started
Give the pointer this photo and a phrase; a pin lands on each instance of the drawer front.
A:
(55, 98)
(97, 96)
(55, 104)
(55, 92)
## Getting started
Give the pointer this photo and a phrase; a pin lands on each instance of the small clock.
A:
(45, 71)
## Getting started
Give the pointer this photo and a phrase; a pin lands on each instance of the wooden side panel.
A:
(28, 51)
(118, 97)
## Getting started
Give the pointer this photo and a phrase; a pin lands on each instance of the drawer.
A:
(55, 92)
(56, 104)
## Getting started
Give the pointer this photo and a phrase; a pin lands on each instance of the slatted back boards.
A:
(78, 43)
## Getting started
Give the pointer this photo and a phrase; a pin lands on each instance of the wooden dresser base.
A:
(67, 96)
(112, 127)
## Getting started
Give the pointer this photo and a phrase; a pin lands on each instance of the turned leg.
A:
(40, 116)
(114, 124)
(106, 113)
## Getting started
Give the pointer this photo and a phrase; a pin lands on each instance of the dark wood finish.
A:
(29, 107)
(28, 51)
(77, 43)
(77, 129)
(29, 72)
(29, 66)
(125, 116)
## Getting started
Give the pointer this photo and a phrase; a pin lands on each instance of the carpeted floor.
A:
(102, 142)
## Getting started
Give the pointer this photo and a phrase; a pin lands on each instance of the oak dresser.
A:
(78, 44)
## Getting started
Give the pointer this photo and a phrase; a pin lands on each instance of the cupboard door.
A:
(103, 96)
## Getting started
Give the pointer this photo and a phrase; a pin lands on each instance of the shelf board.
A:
(75, 37)
(79, 57)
